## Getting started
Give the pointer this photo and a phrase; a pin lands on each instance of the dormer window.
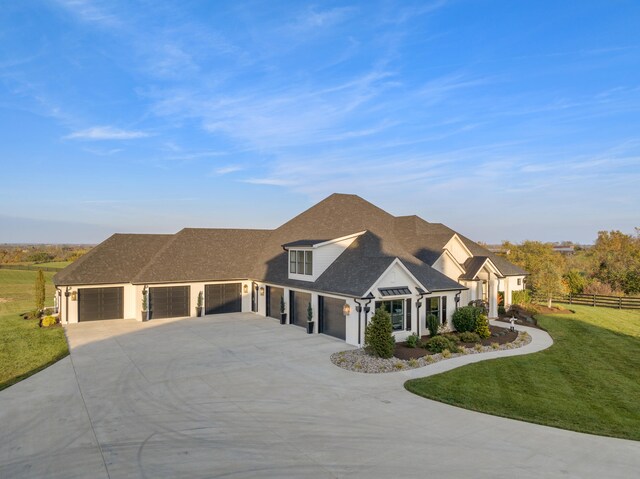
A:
(301, 262)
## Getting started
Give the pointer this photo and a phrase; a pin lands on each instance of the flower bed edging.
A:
(358, 360)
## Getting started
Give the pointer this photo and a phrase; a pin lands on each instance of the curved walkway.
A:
(243, 396)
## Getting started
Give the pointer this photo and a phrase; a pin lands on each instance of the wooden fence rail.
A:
(618, 302)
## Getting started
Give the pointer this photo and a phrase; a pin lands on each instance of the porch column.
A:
(493, 298)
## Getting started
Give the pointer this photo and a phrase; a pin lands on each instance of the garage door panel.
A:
(169, 301)
(223, 298)
(300, 303)
(274, 296)
(95, 304)
(332, 319)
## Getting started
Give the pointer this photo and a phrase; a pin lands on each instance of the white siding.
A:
(445, 264)
(457, 249)
(323, 257)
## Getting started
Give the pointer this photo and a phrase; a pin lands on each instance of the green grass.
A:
(55, 264)
(588, 381)
(25, 348)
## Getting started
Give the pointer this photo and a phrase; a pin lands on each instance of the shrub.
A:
(412, 341)
(432, 324)
(49, 321)
(446, 354)
(501, 310)
(429, 359)
(495, 346)
(482, 327)
(437, 344)
(398, 365)
(520, 297)
(378, 335)
(413, 362)
(469, 337)
(464, 319)
(478, 347)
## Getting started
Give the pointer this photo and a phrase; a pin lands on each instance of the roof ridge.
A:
(153, 257)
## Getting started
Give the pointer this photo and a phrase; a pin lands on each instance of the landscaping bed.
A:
(359, 361)
(498, 335)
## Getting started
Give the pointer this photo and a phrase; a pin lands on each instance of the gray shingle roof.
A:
(223, 254)
(116, 260)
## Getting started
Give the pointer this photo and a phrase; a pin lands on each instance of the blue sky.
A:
(503, 120)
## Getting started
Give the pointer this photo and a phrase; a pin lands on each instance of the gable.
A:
(448, 265)
(458, 249)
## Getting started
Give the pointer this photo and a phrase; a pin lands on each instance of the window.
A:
(519, 281)
(396, 309)
(433, 306)
(301, 262)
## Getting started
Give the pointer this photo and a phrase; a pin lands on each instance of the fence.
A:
(618, 302)
(29, 267)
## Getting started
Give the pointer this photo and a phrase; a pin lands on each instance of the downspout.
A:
(359, 310)
(421, 293)
(67, 293)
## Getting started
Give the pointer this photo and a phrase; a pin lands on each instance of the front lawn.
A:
(588, 381)
(25, 348)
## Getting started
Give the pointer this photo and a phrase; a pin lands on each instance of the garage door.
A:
(274, 295)
(100, 303)
(332, 320)
(169, 302)
(223, 298)
(299, 303)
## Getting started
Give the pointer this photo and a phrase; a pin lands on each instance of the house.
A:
(344, 256)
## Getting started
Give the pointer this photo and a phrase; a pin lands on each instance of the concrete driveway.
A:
(241, 396)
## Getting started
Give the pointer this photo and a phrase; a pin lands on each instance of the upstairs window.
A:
(301, 262)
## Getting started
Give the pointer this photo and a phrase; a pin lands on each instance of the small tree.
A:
(432, 324)
(482, 327)
(39, 290)
(145, 302)
(309, 313)
(378, 335)
(282, 305)
(200, 300)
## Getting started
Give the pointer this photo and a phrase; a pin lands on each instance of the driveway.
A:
(242, 396)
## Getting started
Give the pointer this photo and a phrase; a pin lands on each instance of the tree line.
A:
(610, 267)
(40, 253)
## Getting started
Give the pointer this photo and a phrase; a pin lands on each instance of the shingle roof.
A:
(198, 254)
(116, 260)
(223, 254)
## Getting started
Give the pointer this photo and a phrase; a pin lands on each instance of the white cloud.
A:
(106, 133)
(225, 170)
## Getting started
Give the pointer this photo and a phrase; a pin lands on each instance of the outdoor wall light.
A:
(245, 288)
(346, 309)
(74, 295)
(261, 290)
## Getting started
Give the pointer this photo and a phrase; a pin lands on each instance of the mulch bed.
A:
(498, 335)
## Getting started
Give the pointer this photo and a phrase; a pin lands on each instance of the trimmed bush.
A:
(432, 324)
(482, 327)
(520, 297)
(437, 344)
(412, 341)
(469, 337)
(464, 319)
(378, 335)
(49, 321)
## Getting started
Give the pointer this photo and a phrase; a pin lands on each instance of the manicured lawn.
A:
(55, 264)
(588, 381)
(25, 348)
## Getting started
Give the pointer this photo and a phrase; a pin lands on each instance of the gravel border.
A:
(357, 360)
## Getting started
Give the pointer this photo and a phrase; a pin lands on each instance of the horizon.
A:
(501, 122)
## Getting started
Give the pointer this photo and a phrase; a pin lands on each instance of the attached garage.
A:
(274, 296)
(223, 298)
(169, 302)
(96, 304)
(331, 318)
(299, 303)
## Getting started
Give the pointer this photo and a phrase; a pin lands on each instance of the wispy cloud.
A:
(93, 11)
(106, 133)
(225, 170)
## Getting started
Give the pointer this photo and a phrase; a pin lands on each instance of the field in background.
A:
(25, 348)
